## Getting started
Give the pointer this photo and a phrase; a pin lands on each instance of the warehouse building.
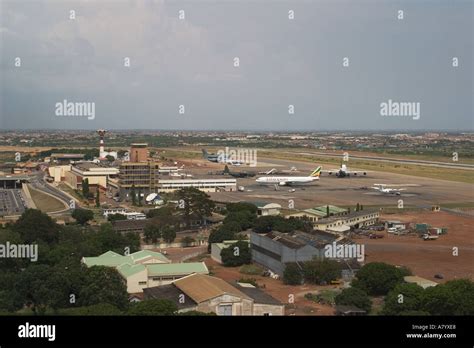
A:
(213, 295)
(274, 249)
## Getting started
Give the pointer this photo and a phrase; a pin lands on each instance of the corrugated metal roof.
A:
(201, 287)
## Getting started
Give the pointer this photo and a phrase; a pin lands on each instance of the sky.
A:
(282, 62)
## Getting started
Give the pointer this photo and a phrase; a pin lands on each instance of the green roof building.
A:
(145, 268)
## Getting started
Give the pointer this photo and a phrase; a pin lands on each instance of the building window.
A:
(141, 283)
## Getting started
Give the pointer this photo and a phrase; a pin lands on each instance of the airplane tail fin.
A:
(316, 172)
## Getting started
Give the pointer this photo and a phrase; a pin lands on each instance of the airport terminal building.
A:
(206, 185)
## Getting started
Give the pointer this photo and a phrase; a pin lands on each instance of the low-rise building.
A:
(267, 209)
(205, 185)
(145, 268)
(96, 175)
(213, 295)
(317, 213)
(356, 219)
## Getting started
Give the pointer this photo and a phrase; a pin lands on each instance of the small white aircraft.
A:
(343, 172)
(384, 189)
(289, 180)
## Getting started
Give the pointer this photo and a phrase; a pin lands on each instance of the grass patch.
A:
(251, 270)
(46, 203)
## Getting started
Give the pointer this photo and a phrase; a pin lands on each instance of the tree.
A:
(97, 309)
(187, 241)
(266, 224)
(85, 188)
(152, 233)
(321, 271)
(97, 197)
(244, 218)
(116, 217)
(226, 169)
(110, 158)
(82, 216)
(103, 285)
(241, 206)
(354, 297)
(224, 232)
(34, 225)
(194, 204)
(236, 254)
(455, 297)
(153, 307)
(403, 298)
(378, 278)
(327, 211)
(168, 234)
(42, 286)
(292, 274)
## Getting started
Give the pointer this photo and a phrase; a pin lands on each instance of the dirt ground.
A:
(427, 258)
(276, 288)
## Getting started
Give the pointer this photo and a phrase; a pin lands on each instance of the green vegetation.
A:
(292, 274)
(455, 297)
(236, 254)
(251, 269)
(313, 272)
(194, 204)
(265, 224)
(82, 216)
(46, 203)
(321, 271)
(378, 278)
(354, 297)
(252, 281)
(57, 280)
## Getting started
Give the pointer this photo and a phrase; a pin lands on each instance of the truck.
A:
(241, 189)
(429, 237)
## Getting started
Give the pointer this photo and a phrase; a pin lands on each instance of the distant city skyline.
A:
(137, 64)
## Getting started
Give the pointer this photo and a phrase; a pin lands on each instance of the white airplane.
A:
(343, 172)
(275, 171)
(289, 180)
(384, 189)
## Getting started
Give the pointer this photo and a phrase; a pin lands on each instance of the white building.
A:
(206, 185)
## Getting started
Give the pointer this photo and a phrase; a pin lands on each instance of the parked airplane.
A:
(219, 158)
(384, 189)
(289, 180)
(343, 172)
(274, 171)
